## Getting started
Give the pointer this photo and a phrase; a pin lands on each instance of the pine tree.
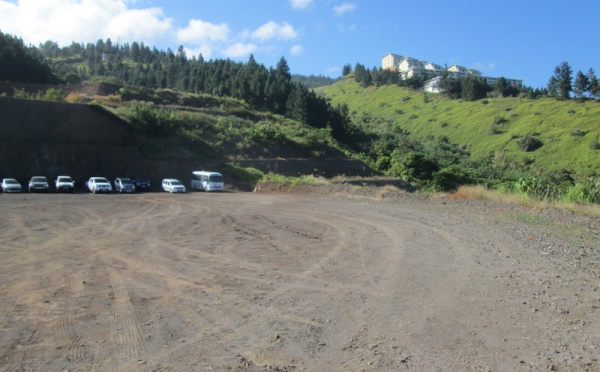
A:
(560, 84)
(581, 85)
(594, 87)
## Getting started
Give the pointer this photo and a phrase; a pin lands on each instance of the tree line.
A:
(271, 89)
(22, 64)
(471, 88)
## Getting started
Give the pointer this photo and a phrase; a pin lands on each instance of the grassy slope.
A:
(469, 123)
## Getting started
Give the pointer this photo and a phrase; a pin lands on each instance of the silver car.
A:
(11, 185)
(124, 185)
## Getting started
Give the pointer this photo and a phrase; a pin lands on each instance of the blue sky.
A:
(520, 39)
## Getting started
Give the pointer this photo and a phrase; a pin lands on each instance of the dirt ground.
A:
(266, 281)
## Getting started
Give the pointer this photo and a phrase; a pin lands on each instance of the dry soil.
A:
(259, 281)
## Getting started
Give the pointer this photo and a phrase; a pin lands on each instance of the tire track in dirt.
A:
(222, 334)
(126, 325)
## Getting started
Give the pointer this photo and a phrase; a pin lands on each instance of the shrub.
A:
(383, 163)
(538, 188)
(53, 94)
(494, 129)
(500, 120)
(584, 192)
(595, 145)
(529, 143)
(250, 175)
(452, 177)
(577, 132)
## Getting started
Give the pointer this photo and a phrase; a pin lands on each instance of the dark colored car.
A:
(124, 185)
(38, 184)
(141, 183)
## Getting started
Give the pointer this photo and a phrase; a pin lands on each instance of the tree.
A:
(594, 87)
(346, 69)
(450, 87)
(560, 84)
(473, 88)
(359, 73)
(582, 85)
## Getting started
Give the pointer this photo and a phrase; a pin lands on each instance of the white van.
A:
(207, 181)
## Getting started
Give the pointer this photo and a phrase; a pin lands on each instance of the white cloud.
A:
(65, 21)
(332, 70)
(300, 4)
(482, 67)
(199, 30)
(86, 21)
(344, 8)
(296, 50)
(273, 30)
(239, 50)
(346, 28)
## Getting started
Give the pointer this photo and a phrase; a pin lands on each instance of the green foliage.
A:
(289, 182)
(467, 125)
(561, 83)
(452, 177)
(250, 176)
(21, 64)
(53, 94)
(415, 167)
(154, 122)
(530, 143)
(584, 192)
(538, 188)
(22, 93)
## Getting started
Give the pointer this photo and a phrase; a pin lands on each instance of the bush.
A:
(529, 143)
(452, 177)
(53, 94)
(538, 188)
(595, 145)
(154, 123)
(584, 192)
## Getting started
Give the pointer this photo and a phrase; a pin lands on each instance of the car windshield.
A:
(38, 179)
(10, 182)
(126, 181)
(101, 180)
(176, 183)
(216, 178)
(64, 179)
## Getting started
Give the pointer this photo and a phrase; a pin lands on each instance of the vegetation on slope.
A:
(489, 128)
(542, 147)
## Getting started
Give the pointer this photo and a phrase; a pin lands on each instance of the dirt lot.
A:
(258, 281)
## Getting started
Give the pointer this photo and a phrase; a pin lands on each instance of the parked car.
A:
(141, 183)
(11, 185)
(172, 185)
(64, 183)
(98, 184)
(124, 185)
(38, 184)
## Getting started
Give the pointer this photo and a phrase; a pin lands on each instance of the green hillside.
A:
(569, 130)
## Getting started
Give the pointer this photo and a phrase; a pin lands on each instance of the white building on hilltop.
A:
(409, 67)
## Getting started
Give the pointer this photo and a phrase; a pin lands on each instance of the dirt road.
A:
(252, 281)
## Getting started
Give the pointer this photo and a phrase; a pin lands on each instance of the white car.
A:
(172, 185)
(64, 183)
(98, 184)
(11, 185)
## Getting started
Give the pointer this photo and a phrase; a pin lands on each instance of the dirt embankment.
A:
(81, 140)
